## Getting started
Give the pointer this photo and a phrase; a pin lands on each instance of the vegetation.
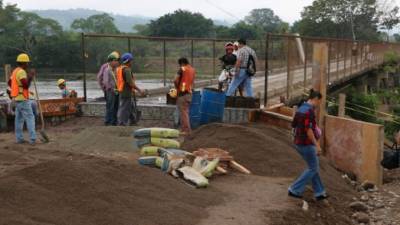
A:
(350, 19)
(57, 49)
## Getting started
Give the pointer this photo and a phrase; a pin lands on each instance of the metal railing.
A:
(156, 57)
(289, 62)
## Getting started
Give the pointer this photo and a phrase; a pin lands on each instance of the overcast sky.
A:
(230, 10)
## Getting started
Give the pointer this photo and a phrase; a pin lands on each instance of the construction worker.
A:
(307, 145)
(184, 81)
(108, 82)
(127, 111)
(65, 93)
(19, 82)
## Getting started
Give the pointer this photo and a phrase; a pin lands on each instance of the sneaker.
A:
(322, 197)
(290, 194)
(22, 142)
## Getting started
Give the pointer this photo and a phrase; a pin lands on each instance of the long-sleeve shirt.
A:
(106, 78)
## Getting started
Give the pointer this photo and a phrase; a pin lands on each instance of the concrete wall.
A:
(355, 147)
(164, 112)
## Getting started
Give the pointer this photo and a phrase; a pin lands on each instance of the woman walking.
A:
(307, 134)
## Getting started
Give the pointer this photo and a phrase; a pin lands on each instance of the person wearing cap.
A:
(242, 76)
(65, 93)
(19, 83)
(126, 87)
(108, 83)
(228, 65)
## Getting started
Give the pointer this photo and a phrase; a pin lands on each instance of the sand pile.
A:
(268, 151)
(90, 190)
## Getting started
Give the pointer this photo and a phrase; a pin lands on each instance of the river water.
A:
(49, 89)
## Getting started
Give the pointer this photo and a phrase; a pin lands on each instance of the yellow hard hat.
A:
(173, 93)
(23, 58)
(60, 81)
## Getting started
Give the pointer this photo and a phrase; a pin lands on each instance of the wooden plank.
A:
(239, 167)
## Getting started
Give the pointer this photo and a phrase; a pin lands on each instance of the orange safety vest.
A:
(15, 88)
(120, 78)
(187, 79)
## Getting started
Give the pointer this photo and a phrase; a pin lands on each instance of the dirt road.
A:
(88, 174)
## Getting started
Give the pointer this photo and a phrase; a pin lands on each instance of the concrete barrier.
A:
(352, 146)
(355, 147)
(163, 112)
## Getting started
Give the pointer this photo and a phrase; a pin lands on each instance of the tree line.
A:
(52, 47)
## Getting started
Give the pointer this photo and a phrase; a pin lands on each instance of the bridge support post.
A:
(7, 72)
(342, 105)
(319, 78)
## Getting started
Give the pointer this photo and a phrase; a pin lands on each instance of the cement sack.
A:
(159, 142)
(156, 132)
(162, 152)
(148, 160)
(150, 151)
(205, 167)
(192, 176)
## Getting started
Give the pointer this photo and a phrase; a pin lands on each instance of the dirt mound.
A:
(101, 139)
(90, 190)
(268, 151)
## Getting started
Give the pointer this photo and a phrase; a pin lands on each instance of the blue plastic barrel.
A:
(212, 106)
(194, 111)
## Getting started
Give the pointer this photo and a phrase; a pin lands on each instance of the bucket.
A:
(194, 111)
(212, 106)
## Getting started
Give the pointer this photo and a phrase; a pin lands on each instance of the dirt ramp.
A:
(90, 190)
(268, 151)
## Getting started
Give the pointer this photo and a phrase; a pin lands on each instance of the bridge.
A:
(291, 61)
(286, 62)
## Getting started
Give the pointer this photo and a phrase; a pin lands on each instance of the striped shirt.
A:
(304, 120)
(243, 55)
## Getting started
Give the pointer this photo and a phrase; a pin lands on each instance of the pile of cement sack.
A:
(159, 148)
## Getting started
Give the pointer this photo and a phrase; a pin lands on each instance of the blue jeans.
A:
(34, 108)
(24, 114)
(309, 154)
(112, 102)
(244, 79)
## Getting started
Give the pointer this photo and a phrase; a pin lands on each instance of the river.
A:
(49, 89)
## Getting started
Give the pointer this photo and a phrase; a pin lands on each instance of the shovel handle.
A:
(38, 102)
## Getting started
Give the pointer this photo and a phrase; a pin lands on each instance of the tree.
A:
(355, 19)
(100, 23)
(223, 32)
(267, 20)
(182, 23)
(246, 31)
(389, 17)
(142, 29)
(396, 37)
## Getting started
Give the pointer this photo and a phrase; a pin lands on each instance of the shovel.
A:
(45, 138)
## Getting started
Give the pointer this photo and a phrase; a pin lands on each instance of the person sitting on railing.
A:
(228, 66)
(245, 69)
